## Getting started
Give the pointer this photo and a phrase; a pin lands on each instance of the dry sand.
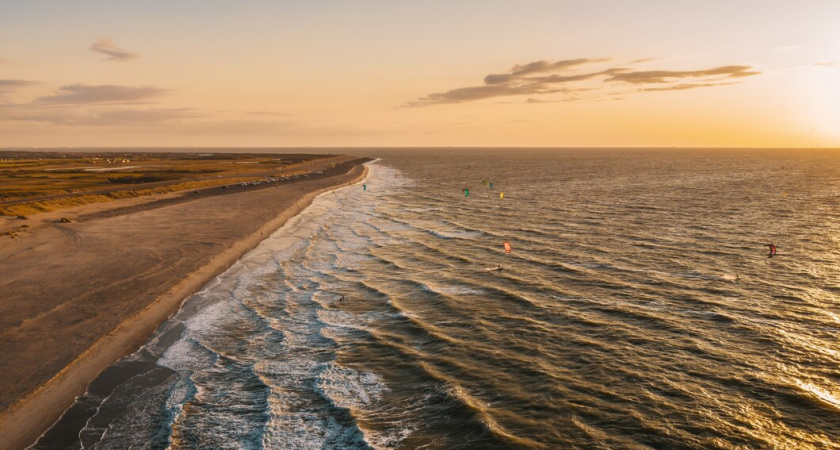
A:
(75, 297)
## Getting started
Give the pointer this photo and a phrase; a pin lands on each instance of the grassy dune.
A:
(33, 182)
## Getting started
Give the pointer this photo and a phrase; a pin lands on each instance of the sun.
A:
(822, 104)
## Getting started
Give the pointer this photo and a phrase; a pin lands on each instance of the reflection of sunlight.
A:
(822, 394)
(764, 427)
(822, 351)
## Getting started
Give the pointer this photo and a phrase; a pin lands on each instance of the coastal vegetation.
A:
(33, 182)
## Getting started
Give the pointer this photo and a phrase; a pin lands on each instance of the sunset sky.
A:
(734, 73)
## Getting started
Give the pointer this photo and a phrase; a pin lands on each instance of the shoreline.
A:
(30, 416)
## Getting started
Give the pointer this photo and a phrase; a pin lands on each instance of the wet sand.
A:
(74, 297)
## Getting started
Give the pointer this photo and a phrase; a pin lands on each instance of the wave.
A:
(369, 321)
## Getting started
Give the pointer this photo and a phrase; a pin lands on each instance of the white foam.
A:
(348, 388)
(303, 390)
(453, 290)
(186, 355)
(210, 316)
(338, 318)
(361, 392)
(455, 234)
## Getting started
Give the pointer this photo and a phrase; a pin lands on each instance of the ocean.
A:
(637, 309)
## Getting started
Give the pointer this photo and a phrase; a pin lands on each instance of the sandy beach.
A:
(74, 297)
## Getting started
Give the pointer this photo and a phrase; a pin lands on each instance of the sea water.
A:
(637, 309)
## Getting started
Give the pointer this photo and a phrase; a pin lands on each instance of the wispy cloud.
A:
(520, 71)
(668, 76)
(520, 80)
(105, 93)
(544, 77)
(537, 101)
(7, 86)
(468, 94)
(31, 112)
(642, 60)
(85, 105)
(12, 84)
(114, 53)
(825, 64)
(682, 87)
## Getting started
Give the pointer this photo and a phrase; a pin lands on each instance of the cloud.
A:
(84, 105)
(520, 71)
(667, 76)
(518, 81)
(106, 47)
(31, 112)
(8, 85)
(682, 87)
(468, 94)
(826, 64)
(561, 77)
(534, 101)
(106, 93)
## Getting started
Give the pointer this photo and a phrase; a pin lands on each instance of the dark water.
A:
(638, 309)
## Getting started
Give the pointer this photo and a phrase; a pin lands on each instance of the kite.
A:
(772, 250)
(507, 247)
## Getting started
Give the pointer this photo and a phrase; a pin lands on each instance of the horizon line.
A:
(418, 147)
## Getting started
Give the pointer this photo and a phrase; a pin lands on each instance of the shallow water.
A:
(638, 309)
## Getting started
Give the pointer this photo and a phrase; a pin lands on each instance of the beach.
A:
(76, 296)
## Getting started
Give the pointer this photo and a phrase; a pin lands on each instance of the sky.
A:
(410, 73)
